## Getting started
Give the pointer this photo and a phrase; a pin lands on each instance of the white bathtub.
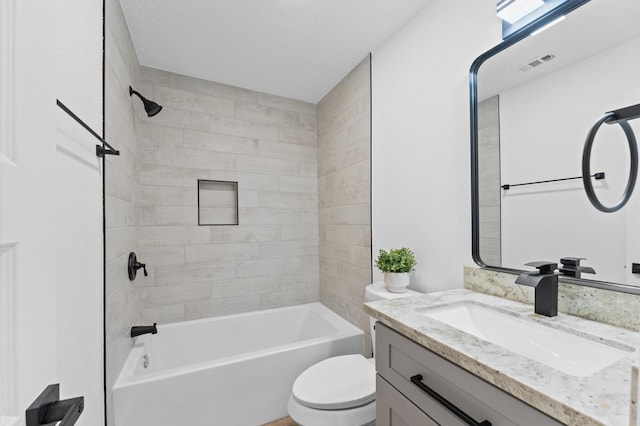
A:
(225, 371)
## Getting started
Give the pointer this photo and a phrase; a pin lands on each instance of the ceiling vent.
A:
(536, 62)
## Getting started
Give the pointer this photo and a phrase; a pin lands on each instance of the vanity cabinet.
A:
(405, 369)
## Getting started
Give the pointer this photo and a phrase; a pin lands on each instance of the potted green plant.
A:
(396, 266)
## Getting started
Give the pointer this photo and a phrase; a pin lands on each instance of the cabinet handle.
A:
(417, 380)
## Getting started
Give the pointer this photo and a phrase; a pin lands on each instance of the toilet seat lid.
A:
(337, 383)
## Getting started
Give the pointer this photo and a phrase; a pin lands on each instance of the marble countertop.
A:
(603, 398)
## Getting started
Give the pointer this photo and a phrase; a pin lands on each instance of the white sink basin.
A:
(567, 352)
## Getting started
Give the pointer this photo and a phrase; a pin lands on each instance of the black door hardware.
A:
(47, 409)
(134, 265)
(417, 380)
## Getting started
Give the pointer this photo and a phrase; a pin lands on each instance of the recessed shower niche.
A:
(217, 202)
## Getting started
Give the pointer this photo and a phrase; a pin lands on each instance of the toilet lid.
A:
(337, 383)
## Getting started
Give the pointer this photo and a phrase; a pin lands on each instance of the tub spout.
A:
(144, 329)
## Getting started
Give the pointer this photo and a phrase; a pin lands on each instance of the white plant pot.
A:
(396, 282)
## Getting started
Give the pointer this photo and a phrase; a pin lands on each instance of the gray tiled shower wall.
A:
(122, 205)
(344, 187)
(489, 180)
(265, 143)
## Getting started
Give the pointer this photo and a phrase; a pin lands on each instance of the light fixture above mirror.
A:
(514, 10)
(524, 16)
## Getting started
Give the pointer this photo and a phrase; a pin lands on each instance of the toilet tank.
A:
(377, 291)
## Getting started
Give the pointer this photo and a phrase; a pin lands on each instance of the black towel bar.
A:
(100, 150)
(597, 176)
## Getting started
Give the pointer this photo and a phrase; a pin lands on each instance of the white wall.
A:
(79, 58)
(420, 141)
(78, 226)
(78, 206)
(543, 127)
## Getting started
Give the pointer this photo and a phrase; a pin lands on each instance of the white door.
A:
(28, 329)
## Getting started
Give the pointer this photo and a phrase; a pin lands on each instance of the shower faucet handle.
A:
(139, 265)
(134, 265)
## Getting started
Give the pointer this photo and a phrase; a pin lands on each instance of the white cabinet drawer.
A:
(398, 359)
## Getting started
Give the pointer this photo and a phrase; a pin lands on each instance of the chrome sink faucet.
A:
(545, 283)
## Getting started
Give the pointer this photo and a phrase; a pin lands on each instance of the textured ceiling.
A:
(294, 48)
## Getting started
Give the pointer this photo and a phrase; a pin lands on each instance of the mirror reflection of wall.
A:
(552, 88)
(489, 180)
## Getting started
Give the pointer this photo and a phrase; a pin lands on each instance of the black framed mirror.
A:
(533, 100)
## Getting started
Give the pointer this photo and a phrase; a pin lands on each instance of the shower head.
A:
(150, 107)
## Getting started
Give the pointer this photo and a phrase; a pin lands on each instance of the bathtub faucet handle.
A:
(134, 265)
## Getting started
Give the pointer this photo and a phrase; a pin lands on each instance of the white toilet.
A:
(340, 391)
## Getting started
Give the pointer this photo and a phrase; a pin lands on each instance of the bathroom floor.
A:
(282, 422)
